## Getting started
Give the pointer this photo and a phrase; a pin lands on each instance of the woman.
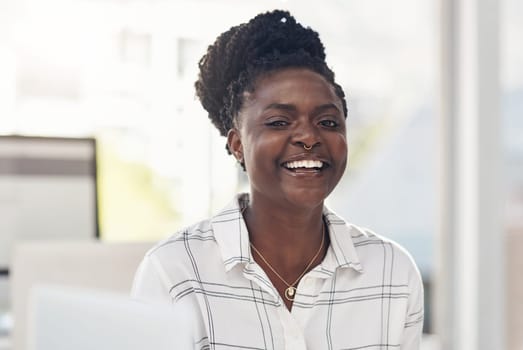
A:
(276, 269)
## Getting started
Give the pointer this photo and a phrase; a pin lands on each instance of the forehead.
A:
(297, 86)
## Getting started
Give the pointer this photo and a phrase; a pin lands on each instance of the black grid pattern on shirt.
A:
(386, 291)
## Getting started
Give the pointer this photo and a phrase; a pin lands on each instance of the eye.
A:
(277, 123)
(329, 123)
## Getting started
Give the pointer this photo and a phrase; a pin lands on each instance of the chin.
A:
(307, 197)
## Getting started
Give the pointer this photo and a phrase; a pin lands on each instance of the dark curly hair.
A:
(239, 56)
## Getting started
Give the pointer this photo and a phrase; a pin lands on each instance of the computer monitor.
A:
(47, 191)
(69, 318)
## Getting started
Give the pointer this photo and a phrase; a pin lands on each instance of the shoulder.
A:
(197, 248)
(366, 248)
(188, 255)
(371, 245)
(385, 257)
(189, 240)
(368, 241)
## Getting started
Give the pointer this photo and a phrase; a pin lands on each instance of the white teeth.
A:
(304, 164)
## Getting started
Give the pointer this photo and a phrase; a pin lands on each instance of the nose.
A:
(306, 135)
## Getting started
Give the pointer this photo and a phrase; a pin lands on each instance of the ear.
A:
(234, 143)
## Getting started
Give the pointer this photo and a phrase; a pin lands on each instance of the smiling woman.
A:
(276, 269)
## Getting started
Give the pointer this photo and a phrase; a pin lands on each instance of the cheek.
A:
(340, 149)
(340, 146)
(263, 149)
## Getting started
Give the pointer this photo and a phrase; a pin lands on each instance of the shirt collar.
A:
(231, 232)
(341, 253)
(232, 237)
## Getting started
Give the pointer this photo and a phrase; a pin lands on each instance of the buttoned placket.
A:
(293, 322)
(293, 336)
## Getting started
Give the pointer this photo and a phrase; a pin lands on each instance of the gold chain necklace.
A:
(290, 291)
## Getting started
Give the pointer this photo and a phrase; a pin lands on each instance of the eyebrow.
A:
(325, 107)
(284, 106)
(291, 107)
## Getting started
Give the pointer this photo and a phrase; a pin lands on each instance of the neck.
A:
(287, 236)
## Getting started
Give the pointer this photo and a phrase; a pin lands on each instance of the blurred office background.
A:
(122, 72)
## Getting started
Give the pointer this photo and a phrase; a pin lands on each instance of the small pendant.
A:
(289, 293)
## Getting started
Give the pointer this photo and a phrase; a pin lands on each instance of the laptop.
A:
(65, 318)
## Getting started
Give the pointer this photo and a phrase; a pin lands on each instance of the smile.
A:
(304, 165)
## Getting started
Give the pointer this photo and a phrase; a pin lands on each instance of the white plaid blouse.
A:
(366, 294)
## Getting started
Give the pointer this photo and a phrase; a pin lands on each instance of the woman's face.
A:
(290, 109)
